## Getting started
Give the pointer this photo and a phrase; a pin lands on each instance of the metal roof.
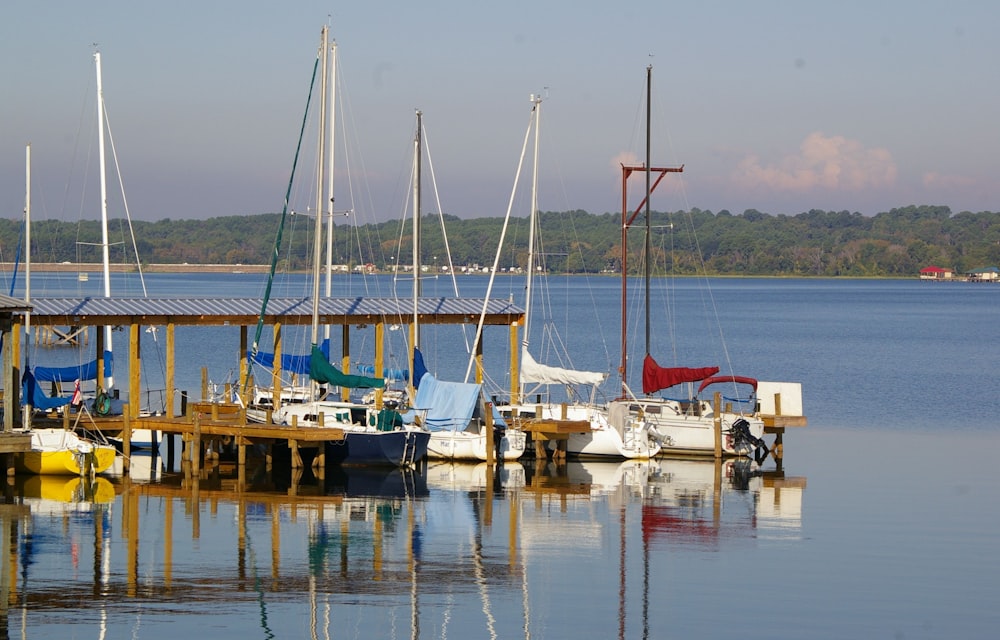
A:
(245, 311)
(9, 305)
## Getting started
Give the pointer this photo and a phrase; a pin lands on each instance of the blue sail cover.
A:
(86, 371)
(33, 394)
(448, 406)
(290, 362)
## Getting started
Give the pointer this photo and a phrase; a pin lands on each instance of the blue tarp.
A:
(449, 406)
(290, 362)
(86, 371)
(392, 374)
(33, 394)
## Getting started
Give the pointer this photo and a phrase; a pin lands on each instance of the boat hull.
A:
(683, 434)
(398, 448)
(611, 438)
(65, 462)
(467, 445)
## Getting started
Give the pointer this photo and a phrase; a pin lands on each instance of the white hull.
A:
(624, 437)
(685, 433)
(471, 446)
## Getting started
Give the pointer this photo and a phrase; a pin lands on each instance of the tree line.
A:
(816, 243)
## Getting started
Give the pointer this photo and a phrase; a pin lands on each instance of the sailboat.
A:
(373, 434)
(691, 425)
(614, 432)
(453, 412)
(57, 450)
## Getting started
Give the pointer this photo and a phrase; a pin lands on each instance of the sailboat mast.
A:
(533, 221)
(27, 239)
(417, 144)
(104, 210)
(320, 175)
(649, 169)
(331, 157)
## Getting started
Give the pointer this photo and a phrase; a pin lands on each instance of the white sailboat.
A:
(453, 412)
(373, 434)
(688, 426)
(614, 431)
(54, 451)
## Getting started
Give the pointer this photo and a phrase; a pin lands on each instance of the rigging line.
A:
(503, 234)
(281, 225)
(121, 186)
(444, 232)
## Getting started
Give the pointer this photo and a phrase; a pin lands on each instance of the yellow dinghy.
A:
(61, 452)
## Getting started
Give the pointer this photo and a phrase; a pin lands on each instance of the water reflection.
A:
(447, 549)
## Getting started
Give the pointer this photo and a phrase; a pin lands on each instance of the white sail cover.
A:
(531, 371)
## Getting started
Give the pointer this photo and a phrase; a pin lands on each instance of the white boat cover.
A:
(531, 371)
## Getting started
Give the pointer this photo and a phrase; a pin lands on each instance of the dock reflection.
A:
(470, 535)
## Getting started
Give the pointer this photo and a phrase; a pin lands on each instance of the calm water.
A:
(881, 522)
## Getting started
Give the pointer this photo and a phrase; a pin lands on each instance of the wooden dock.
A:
(208, 426)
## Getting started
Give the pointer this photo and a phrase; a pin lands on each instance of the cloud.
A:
(626, 158)
(822, 162)
(933, 180)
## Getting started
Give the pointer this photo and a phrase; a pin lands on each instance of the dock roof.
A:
(289, 311)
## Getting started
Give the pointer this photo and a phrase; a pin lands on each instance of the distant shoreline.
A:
(96, 267)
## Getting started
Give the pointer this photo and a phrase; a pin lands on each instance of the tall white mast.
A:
(416, 228)
(320, 171)
(27, 238)
(537, 112)
(331, 157)
(104, 210)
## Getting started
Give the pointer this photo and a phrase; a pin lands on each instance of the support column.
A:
(171, 372)
(134, 369)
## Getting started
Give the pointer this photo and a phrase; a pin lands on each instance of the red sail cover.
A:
(655, 377)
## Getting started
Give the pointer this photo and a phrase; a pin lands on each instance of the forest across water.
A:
(896, 243)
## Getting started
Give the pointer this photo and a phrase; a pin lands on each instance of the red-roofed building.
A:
(935, 273)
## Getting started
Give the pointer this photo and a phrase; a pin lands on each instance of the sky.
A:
(778, 106)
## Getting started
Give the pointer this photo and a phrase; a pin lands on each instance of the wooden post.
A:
(101, 373)
(195, 446)
(244, 366)
(345, 359)
(126, 438)
(276, 369)
(204, 384)
(171, 371)
(479, 360)
(379, 359)
(717, 423)
(134, 369)
(293, 447)
(490, 444)
(515, 367)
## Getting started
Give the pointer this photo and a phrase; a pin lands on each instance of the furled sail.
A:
(85, 371)
(655, 377)
(531, 371)
(321, 370)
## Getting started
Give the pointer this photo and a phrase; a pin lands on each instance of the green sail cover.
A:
(321, 370)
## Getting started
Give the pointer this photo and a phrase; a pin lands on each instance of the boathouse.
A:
(935, 273)
(986, 274)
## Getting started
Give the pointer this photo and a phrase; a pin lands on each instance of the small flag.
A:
(77, 396)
